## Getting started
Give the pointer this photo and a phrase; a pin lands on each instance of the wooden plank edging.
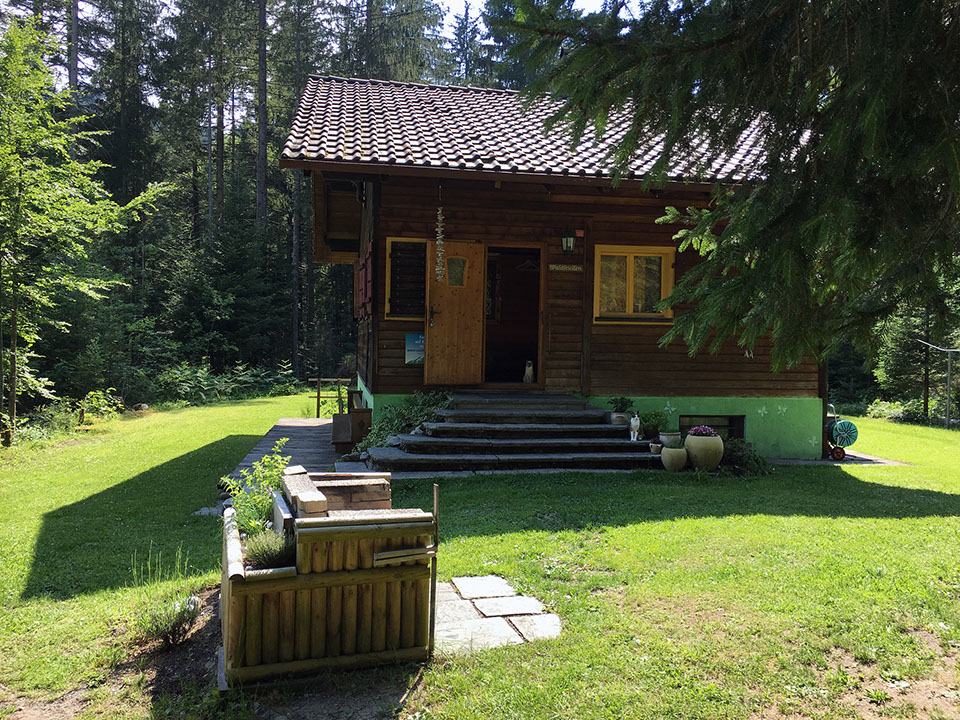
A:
(331, 579)
(256, 672)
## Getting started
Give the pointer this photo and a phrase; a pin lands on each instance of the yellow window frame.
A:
(667, 257)
(386, 312)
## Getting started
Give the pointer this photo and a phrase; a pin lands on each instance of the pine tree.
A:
(848, 214)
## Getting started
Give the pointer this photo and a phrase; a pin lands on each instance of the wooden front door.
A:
(453, 354)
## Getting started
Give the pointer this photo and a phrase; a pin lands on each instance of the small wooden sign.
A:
(566, 268)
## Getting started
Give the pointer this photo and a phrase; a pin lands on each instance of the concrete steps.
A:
(511, 446)
(522, 431)
(394, 459)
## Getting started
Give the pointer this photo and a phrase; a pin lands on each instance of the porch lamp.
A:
(567, 242)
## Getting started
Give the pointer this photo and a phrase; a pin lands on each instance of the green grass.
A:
(680, 597)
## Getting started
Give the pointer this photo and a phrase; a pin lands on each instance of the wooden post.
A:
(318, 603)
(288, 627)
(271, 628)
(254, 629)
(334, 601)
(394, 602)
(349, 635)
(433, 567)
(378, 636)
(421, 634)
(365, 601)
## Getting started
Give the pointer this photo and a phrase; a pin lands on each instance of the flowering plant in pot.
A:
(704, 447)
(621, 410)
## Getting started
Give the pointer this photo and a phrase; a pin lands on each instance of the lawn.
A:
(822, 591)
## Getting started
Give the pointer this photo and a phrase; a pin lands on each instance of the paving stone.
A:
(537, 627)
(485, 586)
(481, 634)
(446, 593)
(519, 605)
(454, 611)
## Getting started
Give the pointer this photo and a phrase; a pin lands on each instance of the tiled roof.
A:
(349, 122)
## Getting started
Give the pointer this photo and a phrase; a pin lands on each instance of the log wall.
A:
(577, 354)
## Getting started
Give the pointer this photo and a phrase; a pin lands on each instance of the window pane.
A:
(613, 284)
(646, 284)
(456, 272)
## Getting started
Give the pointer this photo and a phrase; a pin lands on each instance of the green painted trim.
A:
(368, 397)
(377, 402)
(777, 427)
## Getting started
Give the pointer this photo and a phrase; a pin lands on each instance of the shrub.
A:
(404, 417)
(161, 614)
(653, 422)
(856, 409)
(270, 550)
(621, 404)
(101, 403)
(741, 460)
(909, 411)
(252, 492)
(198, 384)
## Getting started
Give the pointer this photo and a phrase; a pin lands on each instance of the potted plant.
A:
(671, 439)
(651, 422)
(673, 458)
(704, 447)
(621, 410)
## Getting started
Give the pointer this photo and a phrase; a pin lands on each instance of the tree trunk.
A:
(14, 331)
(262, 120)
(73, 74)
(295, 279)
(368, 39)
(926, 364)
(210, 149)
(220, 161)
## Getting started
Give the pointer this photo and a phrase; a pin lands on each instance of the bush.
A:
(252, 492)
(198, 384)
(163, 615)
(653, 422)
(270, 550)
(856, 409)
(404, 417)
(101, 403)
(910, 411)
(741, 460)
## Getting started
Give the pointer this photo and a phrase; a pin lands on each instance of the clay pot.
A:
(670, 439)
(655, 448)
(673, 459)
(704, 452)
(618, 418)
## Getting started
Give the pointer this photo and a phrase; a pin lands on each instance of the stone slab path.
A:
(477, 613)
(308, 444)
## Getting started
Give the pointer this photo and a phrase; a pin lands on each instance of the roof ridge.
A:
(403, 83)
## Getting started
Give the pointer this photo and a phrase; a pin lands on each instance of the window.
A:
(629, 281)
(456, 272)
(406, 278)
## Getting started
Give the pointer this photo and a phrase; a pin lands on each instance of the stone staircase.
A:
(521, 431)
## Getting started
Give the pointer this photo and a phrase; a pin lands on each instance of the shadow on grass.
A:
(89, 545)
(495, 504)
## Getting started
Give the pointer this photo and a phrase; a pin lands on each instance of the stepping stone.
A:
(455, 611)
(537, 627)
(446, 593)
(480, 634)
(519, 605)
(485, 586)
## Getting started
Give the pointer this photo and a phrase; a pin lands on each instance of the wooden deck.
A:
(308, 444)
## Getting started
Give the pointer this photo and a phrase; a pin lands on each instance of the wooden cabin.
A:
(543, 261)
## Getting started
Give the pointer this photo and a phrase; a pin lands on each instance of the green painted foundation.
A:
(776, 427)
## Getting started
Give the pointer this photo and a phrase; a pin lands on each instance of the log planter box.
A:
(362, 590)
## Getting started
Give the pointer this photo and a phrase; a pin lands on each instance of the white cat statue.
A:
(635, 427)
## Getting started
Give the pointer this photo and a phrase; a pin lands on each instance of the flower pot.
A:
(655, 448)
(618, 418)
(673, 459)
(670, 439)
(704, 451)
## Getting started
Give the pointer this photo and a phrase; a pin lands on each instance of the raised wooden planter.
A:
(362, 592)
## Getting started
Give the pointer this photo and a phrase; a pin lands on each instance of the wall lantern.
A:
(567, 242)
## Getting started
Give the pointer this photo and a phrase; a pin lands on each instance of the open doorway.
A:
(512, 314)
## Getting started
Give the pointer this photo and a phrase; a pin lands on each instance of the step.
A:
(396, 460)
(516, 401)
(508, 446)
(525, 430)
(531, 415)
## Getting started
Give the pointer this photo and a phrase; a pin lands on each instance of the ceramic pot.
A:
(673, 459)
(619, 418)
(670, 439)
(704, 452)
(655, 448)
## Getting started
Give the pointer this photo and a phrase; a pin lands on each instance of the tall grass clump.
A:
(163, 613)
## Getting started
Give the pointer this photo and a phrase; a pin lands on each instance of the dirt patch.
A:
(63, 708)
(860, 689)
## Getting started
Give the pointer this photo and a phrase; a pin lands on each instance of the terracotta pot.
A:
(673, 459)
(655, 448)
(705, 452)
(617, 418)
(670, 439)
